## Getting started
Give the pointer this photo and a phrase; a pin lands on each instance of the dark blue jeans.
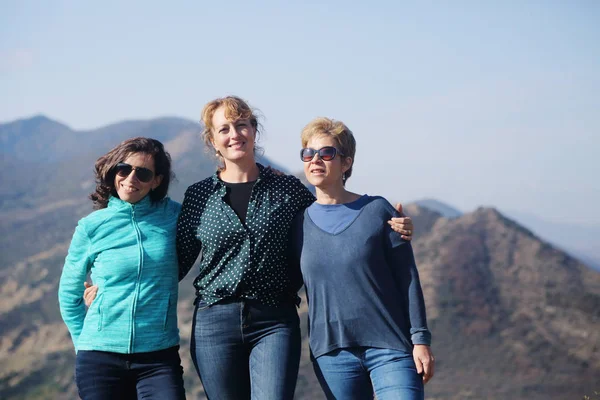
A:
(102, 375)
(245, 350)
(355, 372)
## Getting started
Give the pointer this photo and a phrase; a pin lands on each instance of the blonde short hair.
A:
(341, 134)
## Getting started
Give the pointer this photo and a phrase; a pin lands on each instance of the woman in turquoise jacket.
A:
(127, 342)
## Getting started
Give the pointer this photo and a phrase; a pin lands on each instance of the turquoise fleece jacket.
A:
(130, 251)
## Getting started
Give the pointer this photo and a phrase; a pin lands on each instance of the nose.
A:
(133, 176)
(316, 158)
(234, 131)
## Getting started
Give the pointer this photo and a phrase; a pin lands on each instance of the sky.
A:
(492, 103)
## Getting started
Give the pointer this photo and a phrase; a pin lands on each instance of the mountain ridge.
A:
(512, 315)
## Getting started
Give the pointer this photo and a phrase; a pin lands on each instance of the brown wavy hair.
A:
(235, 108)
(105, 169)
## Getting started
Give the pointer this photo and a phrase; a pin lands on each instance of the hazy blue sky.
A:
(470, 102)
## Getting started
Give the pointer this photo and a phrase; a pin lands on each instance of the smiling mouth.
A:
(129, 189)
(317, 171)
(237, 145)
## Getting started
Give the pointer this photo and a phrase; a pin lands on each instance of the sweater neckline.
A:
(364, 203)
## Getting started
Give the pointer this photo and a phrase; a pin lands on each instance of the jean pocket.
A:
(201, 304)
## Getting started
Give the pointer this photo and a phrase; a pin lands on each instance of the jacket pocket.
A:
(100, 311)
(167, 311)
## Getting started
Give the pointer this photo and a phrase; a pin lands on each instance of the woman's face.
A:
(131, 186)
(325, 173)
(234, 140)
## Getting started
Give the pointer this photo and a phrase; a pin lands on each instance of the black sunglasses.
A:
(143, 174)
(326, 153)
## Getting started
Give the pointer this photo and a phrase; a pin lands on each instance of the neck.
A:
(240, 171)
(335, 194)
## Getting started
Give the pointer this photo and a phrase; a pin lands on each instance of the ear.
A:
(157, 181)
(346, 163)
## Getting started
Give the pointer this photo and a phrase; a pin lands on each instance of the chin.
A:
(319, 183)
(131, 198)
(239, 155)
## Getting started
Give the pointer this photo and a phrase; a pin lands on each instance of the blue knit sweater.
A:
(362, 283)
(130, 251)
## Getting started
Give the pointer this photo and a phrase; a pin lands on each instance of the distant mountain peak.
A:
(444, 209)
(37, 118)
(490, 216)
(33, 122)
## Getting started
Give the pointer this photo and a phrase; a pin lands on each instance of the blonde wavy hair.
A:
(235, 108)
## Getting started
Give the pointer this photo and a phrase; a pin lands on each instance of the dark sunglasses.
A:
(326, 153)
(143, 174)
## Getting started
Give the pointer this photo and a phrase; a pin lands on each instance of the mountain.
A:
(35, 139)
(442, 208)
(580, 240)
(512, 316)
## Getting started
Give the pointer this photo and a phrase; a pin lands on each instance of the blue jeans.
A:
(243, 349)
(101, 375)
(355, 372)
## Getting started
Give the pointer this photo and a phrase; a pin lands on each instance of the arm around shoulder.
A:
(188, 246)
(302, 194)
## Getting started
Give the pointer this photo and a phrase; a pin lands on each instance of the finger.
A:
(399, 208)
(428, 367)
(425, 370)
(90, 293)
(418, 364)
(89, 297)
(400, 228)
(426, 377)
(398, 223)
(87, 285)
(406, 233)
(406, 221)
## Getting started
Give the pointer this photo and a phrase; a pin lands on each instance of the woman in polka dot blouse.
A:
(246, 335)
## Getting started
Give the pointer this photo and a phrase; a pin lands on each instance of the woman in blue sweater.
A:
(368, 330)
(127, 342)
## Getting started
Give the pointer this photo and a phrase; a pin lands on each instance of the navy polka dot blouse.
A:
(241, 260)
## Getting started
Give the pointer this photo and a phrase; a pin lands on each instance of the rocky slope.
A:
(512, 317)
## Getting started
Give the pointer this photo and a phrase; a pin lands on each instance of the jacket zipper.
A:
(139, 275)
